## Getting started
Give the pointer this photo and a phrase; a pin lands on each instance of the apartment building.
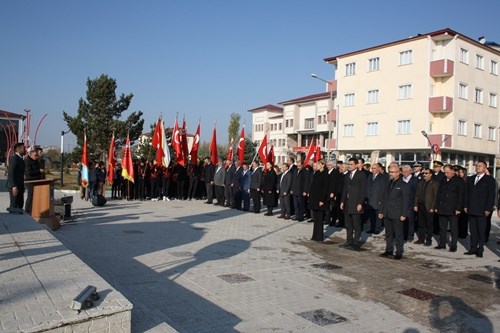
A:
(430, 96)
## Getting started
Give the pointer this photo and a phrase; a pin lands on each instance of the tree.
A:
(234, 127)
(100, 113)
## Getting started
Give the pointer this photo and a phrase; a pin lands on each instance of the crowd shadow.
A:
(153, 288)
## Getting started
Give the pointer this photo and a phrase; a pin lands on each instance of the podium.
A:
(42, 210)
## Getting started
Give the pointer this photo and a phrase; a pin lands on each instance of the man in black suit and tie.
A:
(255, 181)
(284, 187)
(228, 189)
(352, 203)
(300, 181)
(15, 179)
(333, 185)
(479, 204)
(209, 179)
(449, 204)
(376, 188)
(395, 208)
(235, 186)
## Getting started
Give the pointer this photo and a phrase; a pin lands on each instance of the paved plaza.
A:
(191, 267)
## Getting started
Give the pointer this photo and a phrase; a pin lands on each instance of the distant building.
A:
(385, 98)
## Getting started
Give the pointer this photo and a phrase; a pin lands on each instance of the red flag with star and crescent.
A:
(241, 146)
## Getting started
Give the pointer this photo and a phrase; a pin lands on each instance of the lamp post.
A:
(62, 155)
(424, 133)
(330, 109)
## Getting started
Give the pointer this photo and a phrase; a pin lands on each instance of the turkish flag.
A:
(310, 152)
(176, 141)
(241, 146)
(263, 150)
(196, 145)
(270, 156)
(213, 148)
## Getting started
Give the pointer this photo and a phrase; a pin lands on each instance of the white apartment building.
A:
(385, 98)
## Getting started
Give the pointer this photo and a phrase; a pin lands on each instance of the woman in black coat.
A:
(318, 197)
(268, 187)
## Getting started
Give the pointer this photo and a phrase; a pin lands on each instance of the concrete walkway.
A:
(193, 267)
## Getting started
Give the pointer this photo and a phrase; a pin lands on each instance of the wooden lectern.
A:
(42, 210)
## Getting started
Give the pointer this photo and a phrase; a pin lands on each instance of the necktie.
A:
(477, 179)
(352, 174)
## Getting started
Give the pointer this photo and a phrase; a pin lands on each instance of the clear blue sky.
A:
(204, 59)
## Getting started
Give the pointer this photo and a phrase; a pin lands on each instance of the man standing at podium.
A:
(32, 171)
(15, 179)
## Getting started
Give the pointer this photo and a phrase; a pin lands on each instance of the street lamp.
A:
(62, 155)
(330, 107)
(424, 133)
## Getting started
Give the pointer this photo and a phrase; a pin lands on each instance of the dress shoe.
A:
(268, 214)
(469, 253)
(310, 220)
(429, 243)
(345, 245)
(356, 248)
(419, 241)
(287, 217)
(479, 255)
(386, 254)
(453, 249)
(440, 247)
(398, 256)
(281, 216)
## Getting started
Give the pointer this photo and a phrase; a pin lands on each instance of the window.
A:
(309, 123)
(478, 96)
(464, 56)
(493, 100)
(494, 67)
(349, 100)
(287, 123)
(477, 131)
(404, 91)
(373, 64)
(322, 119)
(349, 130)
(491, 133)
(479, 62)
(405, 57)
(280, 126)
(463, 91)
(373, 96)
(291, 122)
(462, 127)
(372, 128)
(403, 127)
(350, 69)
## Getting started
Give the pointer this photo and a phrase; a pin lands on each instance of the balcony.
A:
(441, 104)
(441, 140)
(442, 68)
(332, 115)
(330, 144)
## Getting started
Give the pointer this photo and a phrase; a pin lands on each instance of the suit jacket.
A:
(480, 197)
(412, 183)
(319, 190)
(219, 176)
(376, 189)
(32, 169)
(285, 183)
(427, 198)
(255, 178)
(238, 173)
(245, 180)
(354, 191)
(15, 176)
(209, 173)
(299, 181)
(450, 197)
(396, 202)
(333, 182)
(268, 187)
(231, 169)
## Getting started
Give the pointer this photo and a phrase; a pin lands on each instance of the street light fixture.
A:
(62, 155)
(330, 109)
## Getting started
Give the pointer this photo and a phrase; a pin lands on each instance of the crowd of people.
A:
(412, 203)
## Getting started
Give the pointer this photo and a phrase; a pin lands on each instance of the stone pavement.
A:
(193, 267)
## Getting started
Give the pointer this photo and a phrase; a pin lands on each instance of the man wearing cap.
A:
(417, 170)
(438, 174)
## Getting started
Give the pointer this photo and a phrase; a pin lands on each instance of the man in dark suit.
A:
(32, 171)
(479, 205)
(406, 174)
(255, 181)
(333, 185)
(219, 177)
(15, 179)
(376, 187)
(209, 179)
(394, 209)
(245, 182)
(449, 204)
(235, 185)
(352, 203)
(284, 187)
(292, 169)
(298, 190)
(343, 176)
(425, 201)
(228, 189)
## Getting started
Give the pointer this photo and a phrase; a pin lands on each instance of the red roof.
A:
(446, 31)
(269, 107)
(8, 114)
(307, 98)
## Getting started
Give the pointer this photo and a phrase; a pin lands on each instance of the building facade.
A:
(427, 97)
